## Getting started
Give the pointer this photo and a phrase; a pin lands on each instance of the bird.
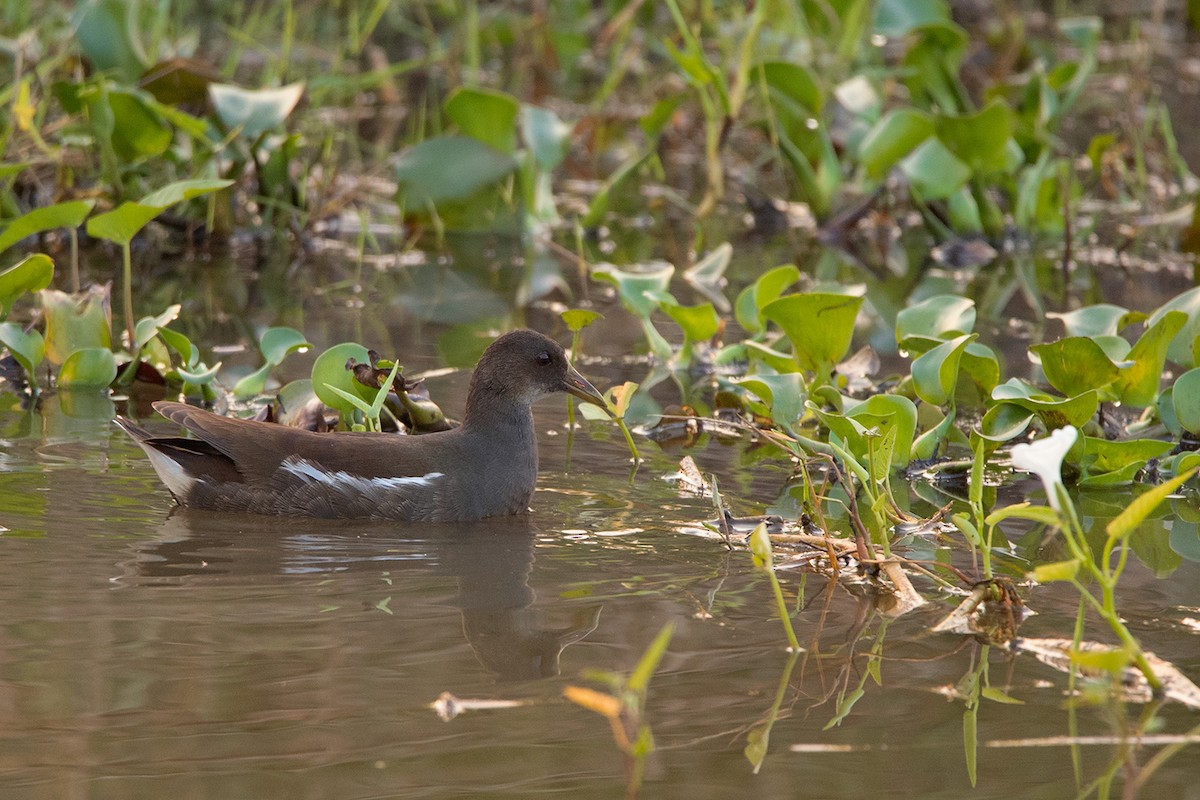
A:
(486, 467)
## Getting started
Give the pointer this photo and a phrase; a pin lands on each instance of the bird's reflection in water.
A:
(490, 560)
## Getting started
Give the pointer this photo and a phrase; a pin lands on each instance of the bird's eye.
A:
(543, 358)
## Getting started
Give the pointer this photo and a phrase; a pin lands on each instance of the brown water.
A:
(146, 653)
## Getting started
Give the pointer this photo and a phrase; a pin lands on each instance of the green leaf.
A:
(819, 325)
(935, 373)
(1185, 400)
(639, 679)
(75, 322)
(28, 348)
(1102, 319)
(639, 291)
(979, 139)
(1181, 348)
(1128, 520)
(486, 115)
(90, 367)
(936, 318)
(784, 394)
(254, 111)
(1102, 455)
(889, 412)
(1137, 385)
(253, 384)
(768, 287)
(797, 84)
(199, 375)
(329, 372)
(897, 18)
(577, 319)
(139, 131)
(699, 323)
(1110, 660)
(893, 137)
(148, 327)
(125, 221)
(1005, 421)
(181, 345)
(707, 276)
(60, 215)
(448, 169)
(1044, 515)
(277, 343)
(30, 274)
(107, 32)
(1058, 571)
(933, 171)
(546, 136)
(1075, 365)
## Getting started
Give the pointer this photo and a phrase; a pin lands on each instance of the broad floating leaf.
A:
(60, 215)
(90, 367)
(254, 111)
(31, 274)
(820, 326)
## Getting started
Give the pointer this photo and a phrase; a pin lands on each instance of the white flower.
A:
(1044, 458)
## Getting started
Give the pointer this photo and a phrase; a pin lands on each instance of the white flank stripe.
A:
(303, 468)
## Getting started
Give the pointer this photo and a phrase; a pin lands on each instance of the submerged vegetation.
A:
(919, 199)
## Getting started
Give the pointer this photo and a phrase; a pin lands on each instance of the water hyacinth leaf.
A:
(278, 342)
(1005, 421)
(784, 395)
(769, 286)
(1042, 515)
(448, 169)
(935, 318)
(979, 139)
(1181, 348)
(780, 362)
(27, 347)
(89, 367)
(485, 114)
(928, 443)
(107, 32)
(638, 290)
(933, 171)
(1102, 319)
(1102, 455)
(148, 327)
(699, 323)
(329, 370)
(1075, 364)
(253, 384)
(1055, 412)
(1152, 545)
(31, 274)
(76, 322)
(200, 374)
(935, 373)
(546, 136)
(819, 325)
(60, 215)
(1185, 400)
(980, 363)
(1137, 385)
(181, 345)
(894, 415)
(254, 112)
(893, 137)
(708, 275)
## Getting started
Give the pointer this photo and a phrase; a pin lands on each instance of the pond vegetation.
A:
(735, 196)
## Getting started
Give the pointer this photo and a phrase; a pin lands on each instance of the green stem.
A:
(127, 291)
